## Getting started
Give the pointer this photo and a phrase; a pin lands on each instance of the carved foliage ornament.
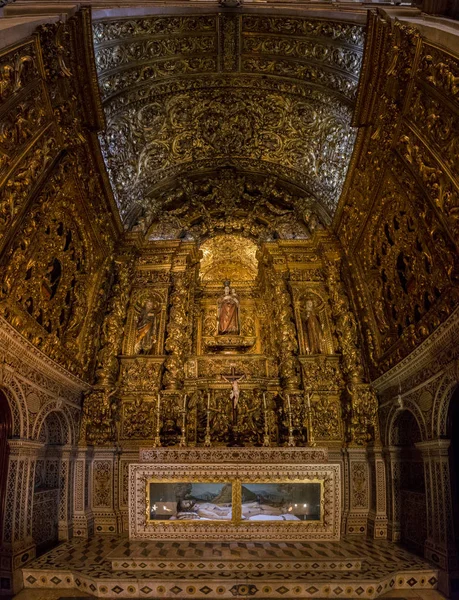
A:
(163, 116)
(230, 202)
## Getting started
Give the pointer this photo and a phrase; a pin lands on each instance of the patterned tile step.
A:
(219, 585)
(228, 565)
(266, 556)
(85, 565)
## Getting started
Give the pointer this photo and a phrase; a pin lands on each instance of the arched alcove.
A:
(453, 434)
(49, 481)
(6, 428)
(409, 484)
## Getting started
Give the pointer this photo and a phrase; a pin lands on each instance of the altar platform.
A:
(115, 567)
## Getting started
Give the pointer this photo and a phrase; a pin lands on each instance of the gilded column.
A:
(179, 327)
(359, 406)
(286, 331)
(100, 409)
(176, 334)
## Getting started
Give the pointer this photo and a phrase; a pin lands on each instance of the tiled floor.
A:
(76, 595)
(110, 566)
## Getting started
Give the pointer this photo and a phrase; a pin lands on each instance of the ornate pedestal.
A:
(234, 494)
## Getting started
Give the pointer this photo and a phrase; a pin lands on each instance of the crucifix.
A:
(234, 380)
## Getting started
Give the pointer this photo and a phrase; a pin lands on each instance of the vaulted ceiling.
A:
(267, 97)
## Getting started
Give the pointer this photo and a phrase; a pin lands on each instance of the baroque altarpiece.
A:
(198, 306)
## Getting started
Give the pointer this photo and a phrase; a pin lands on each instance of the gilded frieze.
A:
(23, 179)
(305, 72)
(18, 68)
(304, 50)
(19, 125)
(119, 29)
(147, 49)
(345, 32)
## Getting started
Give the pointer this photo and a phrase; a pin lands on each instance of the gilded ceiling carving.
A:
(283, 108)
(398, 218)
(228, 201)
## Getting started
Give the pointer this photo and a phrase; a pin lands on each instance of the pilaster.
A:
(377, 517)
(83, 519)
(393, 459)
(18, 544)
(102, 499)
(439, 546)
(358, 483)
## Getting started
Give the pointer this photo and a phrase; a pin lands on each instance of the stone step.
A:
(230, 557)
(229, 585)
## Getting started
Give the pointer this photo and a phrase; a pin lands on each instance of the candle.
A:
(159, 403)
(208, 401)
(264, 401)
(184, 403)
(309, 401)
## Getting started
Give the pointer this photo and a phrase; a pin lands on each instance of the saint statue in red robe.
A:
(228, 312)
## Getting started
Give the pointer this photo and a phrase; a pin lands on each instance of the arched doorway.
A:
(453, 434)
(410, 492)
(6, 427)
(48, 482)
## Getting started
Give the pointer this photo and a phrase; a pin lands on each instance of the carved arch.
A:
(445, 390)
(395, 412)
(55, 406)
(18, 405)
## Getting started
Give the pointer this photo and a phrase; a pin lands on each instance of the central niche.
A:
(228, 258)
(228, 272)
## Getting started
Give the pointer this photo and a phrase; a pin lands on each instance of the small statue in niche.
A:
(228, 312)
(312, 329)
(145, 331)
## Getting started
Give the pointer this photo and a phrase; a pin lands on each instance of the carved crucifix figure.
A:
(234, 380)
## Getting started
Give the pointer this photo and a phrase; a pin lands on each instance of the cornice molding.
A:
(12, 343)
(444, 337)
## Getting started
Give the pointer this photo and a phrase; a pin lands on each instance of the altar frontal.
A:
(268, 495)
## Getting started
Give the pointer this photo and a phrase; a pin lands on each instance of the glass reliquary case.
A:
(234, 501)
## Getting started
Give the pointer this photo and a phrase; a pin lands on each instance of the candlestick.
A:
(157, 442)
(266, 440)
(291, 439)
(183, 436)
(207, 440)
(309, 415)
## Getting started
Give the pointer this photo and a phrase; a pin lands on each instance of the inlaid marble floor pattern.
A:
(158, 569)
